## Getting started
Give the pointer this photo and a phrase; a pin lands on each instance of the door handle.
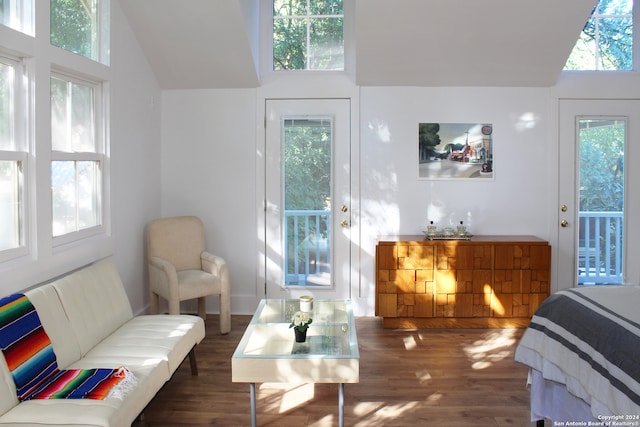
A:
(564, 223)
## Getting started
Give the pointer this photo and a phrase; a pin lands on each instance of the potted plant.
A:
(300, 323)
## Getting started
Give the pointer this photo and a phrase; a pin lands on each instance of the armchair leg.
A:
(154, 304)
(202, 308)
(174, 307)
(225, 314)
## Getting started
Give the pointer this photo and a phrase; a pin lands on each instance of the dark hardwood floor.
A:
(427, 377)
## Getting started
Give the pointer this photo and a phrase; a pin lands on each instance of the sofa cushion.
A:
(55, 323)
(95, 302)
(8, 395)
(147, 340)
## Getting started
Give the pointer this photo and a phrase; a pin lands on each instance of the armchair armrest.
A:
(218, 267)
(163, 277)
(212, 263)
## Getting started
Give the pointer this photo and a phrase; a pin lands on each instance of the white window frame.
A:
(99, 156)
(21, 151)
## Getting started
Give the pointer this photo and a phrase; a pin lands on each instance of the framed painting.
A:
(455, 151)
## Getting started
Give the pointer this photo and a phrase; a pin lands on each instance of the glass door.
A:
(307, 213)
(595, 203)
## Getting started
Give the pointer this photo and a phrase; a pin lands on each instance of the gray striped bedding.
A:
(588, 339)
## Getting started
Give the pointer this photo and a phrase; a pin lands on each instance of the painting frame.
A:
(455, 151)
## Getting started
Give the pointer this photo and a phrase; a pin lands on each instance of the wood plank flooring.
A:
(426, 377)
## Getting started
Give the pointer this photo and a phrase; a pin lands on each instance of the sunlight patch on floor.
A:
(327, 420)
(423, 376)
(381, 413)
(434, 398)
(363, 409)
(390, 412)
(495, 346)
(410, 342)
(282, 397)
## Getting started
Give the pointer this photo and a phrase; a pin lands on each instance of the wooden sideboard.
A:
(484, 282)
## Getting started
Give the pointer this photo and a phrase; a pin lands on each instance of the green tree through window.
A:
(73, 26)
(606, 41)
(602, 165)
(308, 35)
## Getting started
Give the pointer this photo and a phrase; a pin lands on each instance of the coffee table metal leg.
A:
(252, 392)
(341, 405)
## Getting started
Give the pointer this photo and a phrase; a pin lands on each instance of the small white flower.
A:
(301, 320)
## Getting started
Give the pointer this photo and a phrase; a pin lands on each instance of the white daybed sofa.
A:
(90, 323)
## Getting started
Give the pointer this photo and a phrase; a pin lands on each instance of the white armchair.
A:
(180, 268)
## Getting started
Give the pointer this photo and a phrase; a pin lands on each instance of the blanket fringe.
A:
(125, 386)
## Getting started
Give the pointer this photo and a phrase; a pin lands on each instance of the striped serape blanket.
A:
(32, 362)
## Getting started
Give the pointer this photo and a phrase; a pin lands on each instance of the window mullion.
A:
(308, 49)
(70, 123)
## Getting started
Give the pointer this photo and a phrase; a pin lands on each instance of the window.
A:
(602, 189)
(606, 41)
(76, 27)
(307, 144)
(308, 35)
(77, 155)
(54, 147)
(13, 157)
(17, 14)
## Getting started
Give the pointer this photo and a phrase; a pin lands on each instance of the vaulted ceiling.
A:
(202, 44)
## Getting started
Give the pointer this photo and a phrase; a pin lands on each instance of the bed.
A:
(582, 348)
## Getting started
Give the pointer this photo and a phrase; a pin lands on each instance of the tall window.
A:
(308, 35)
(307, 200)
(77, 155)
(66, 168)
(606, 42)
(17, 14)
(602, 191)
(13, 157)
(76, 27)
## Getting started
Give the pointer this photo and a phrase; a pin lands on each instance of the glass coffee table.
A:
(268, 352)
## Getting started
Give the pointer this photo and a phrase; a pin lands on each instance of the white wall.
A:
(135, 156)
(396, 201)
(209, 170)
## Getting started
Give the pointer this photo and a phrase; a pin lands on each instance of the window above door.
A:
(308, 35)
(606, 41)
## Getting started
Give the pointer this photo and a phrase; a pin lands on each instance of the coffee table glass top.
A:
(332, 333)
